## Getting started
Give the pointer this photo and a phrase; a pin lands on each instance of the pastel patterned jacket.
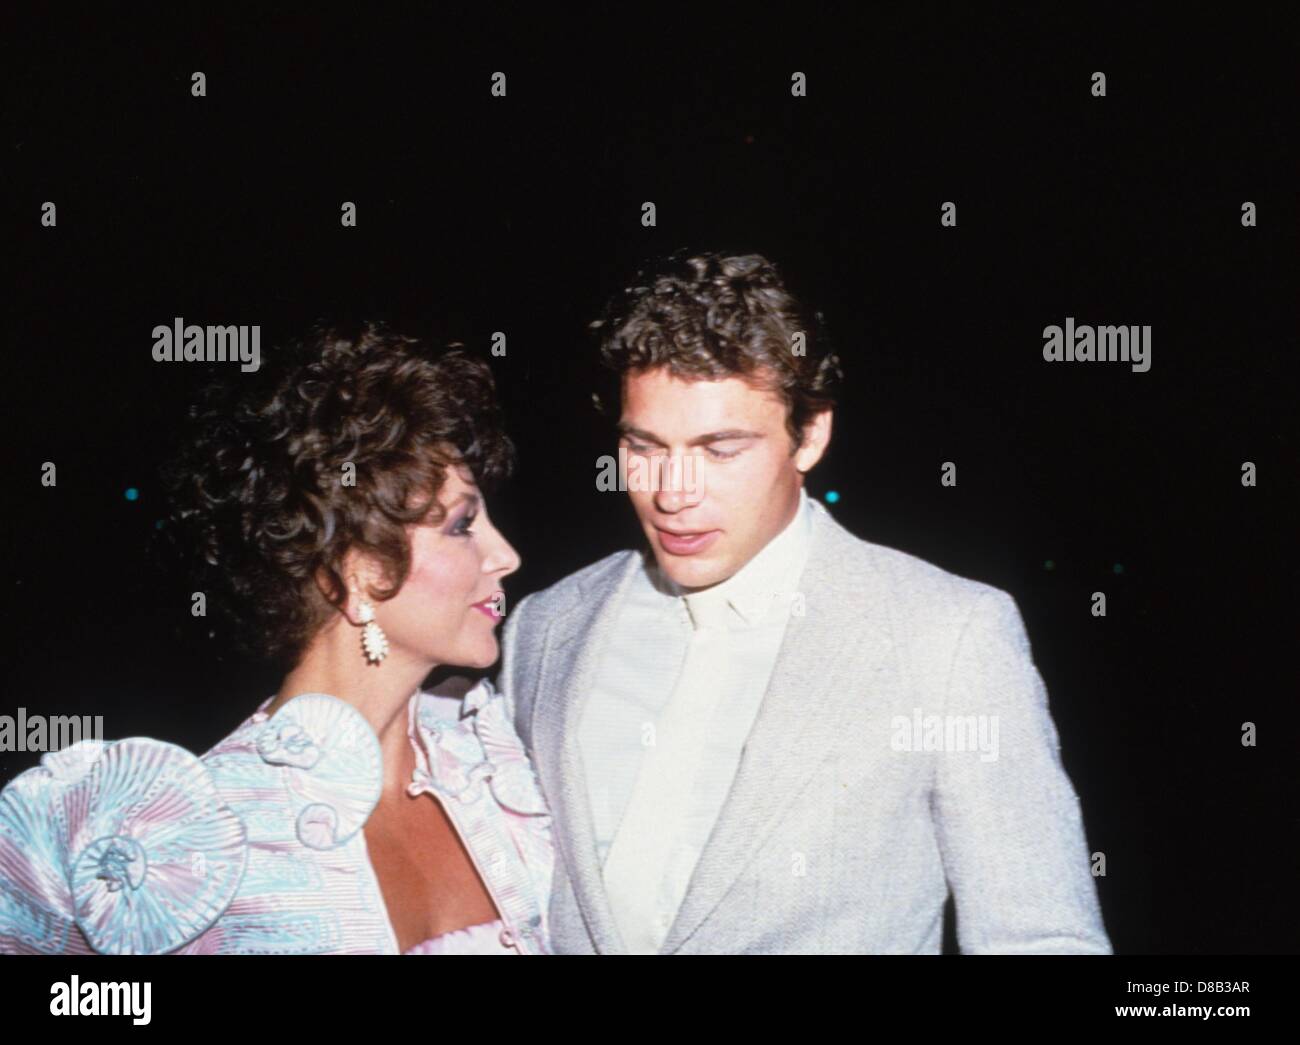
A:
(138, 847)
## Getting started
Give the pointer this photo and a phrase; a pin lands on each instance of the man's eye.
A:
(721, 455)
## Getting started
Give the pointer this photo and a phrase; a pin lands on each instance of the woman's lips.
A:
(488, 607)
(686, 543)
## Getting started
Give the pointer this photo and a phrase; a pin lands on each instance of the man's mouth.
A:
(685, 542)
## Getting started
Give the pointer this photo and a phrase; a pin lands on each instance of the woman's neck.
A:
(334, 664)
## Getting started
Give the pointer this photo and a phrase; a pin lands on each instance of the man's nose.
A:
(678, 483)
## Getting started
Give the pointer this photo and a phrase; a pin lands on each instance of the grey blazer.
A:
(835, 837)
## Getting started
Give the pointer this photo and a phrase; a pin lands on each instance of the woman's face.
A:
(449, 607)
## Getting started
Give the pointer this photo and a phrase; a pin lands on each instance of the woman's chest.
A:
(428, 878)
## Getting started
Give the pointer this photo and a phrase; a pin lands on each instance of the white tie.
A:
(651, 824)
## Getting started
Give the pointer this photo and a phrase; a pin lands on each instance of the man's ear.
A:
(816, 437)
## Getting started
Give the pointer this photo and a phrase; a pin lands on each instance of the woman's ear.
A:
(359, 574)
(335, 592)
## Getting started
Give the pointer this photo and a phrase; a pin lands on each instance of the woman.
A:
(335, 502)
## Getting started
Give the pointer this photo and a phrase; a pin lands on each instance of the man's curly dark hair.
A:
(707, 316)
(260, 494)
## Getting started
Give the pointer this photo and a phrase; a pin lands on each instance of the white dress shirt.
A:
(639, 670)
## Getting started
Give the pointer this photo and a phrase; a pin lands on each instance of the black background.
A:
(478, 214)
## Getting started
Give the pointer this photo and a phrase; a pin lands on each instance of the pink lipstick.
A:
(488, 607)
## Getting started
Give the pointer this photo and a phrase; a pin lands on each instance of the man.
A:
(723, 723)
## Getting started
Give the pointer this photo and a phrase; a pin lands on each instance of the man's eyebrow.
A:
(699, 440)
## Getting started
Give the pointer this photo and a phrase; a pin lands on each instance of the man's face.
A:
(746, 479)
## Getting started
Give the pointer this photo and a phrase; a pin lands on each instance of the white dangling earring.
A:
(374, 643)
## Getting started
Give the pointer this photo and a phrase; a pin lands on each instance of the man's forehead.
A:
(660, 388)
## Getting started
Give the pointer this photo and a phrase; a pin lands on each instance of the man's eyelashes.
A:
(712, 451)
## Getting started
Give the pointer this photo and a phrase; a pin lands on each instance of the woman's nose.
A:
(503, 558)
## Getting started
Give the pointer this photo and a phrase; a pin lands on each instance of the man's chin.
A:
(691, 574)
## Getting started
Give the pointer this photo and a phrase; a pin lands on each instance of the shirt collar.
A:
(768, 578)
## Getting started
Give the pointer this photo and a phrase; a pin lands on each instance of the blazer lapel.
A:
(571, 653)
(816, 688)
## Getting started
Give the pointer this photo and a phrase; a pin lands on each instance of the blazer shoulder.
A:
(604, 572)
(926, 576)
(929, 610)
(924, 594)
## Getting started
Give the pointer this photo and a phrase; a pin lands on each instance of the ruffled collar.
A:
(333, 769)
(457, 758)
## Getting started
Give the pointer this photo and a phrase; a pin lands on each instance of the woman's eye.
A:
(463, 524)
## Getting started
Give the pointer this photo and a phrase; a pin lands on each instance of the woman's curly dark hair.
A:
(711, 315)
(263, 498)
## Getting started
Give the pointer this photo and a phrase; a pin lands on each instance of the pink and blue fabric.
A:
(138, 847)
